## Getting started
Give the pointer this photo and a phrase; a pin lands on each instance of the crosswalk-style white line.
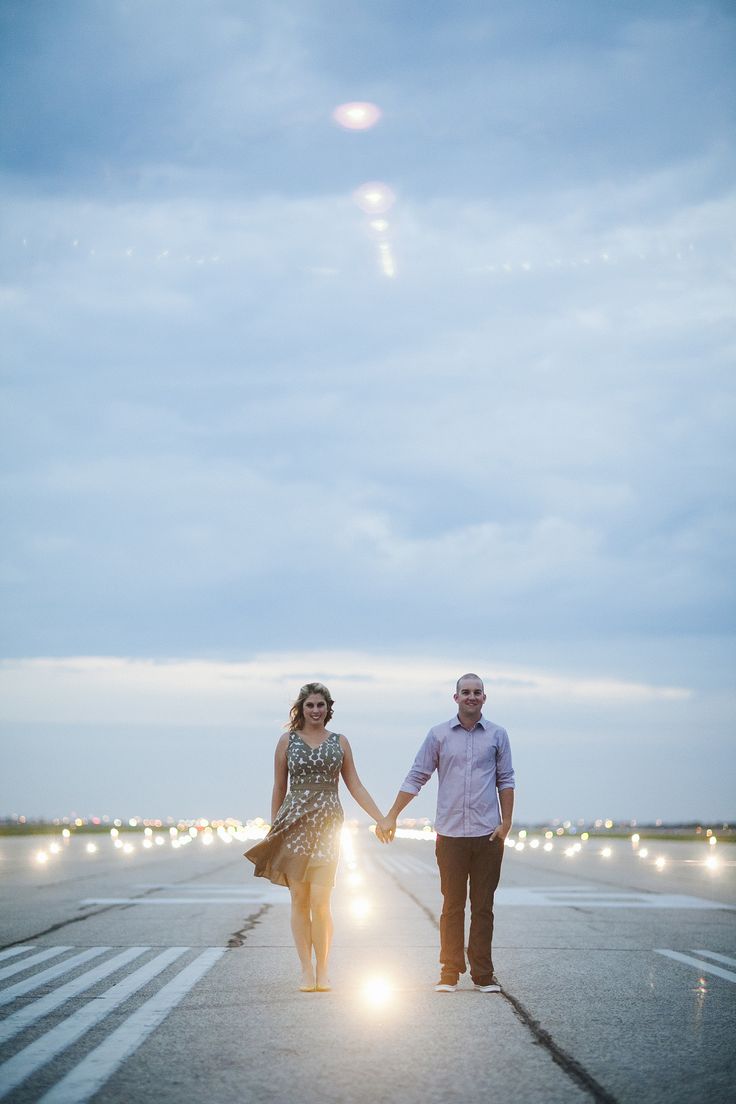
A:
(702, 967)
(34, 960)
(99, 1065)
(38, 1053)
(254, 897)
(11, 952)
(20, 1020)
(406, 864)
(725, 959)
(37, 980)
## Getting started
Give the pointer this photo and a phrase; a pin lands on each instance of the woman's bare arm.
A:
(280, 776)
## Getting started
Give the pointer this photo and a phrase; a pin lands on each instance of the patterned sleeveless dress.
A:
(304, 841)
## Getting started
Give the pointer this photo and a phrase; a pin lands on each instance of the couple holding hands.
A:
(473, 759)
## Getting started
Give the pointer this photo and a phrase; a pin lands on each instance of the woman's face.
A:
(315, 709)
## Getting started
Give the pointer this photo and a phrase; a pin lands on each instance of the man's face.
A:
(470, 698)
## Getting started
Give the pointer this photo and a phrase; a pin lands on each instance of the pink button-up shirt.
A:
(471, 767)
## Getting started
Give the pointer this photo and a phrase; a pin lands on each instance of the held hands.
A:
(386, 829)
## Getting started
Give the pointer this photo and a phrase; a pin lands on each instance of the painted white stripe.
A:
(18, 1021)
(93, 1071)
(232, 887)
(34, 960)
(35, 982)
(43, 1049)
(725, 959)
(11, 952)
(703, 967)
(553, 898)
(253, 898)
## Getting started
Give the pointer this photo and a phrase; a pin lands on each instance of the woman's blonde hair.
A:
(296, 715)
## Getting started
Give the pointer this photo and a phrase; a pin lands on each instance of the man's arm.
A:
(506, 801)
(422, 769)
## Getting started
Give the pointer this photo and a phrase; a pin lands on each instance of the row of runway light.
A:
(174, 837)
(206, 833)
(522, 841)
(376, 990)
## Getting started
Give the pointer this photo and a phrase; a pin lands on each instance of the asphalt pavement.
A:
(169, 973)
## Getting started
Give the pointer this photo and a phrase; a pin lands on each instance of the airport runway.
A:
(170, 974)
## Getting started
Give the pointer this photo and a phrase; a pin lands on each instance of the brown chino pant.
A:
(463, 861)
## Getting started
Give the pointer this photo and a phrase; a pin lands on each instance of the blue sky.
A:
(234, 445)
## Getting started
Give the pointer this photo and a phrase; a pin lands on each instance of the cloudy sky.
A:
(256, 434)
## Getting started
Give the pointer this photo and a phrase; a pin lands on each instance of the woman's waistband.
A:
(300, 786)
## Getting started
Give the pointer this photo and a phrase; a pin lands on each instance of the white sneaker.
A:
(445, 987)
(492, 987)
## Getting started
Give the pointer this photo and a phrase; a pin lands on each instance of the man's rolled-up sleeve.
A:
(505, 779)
(423, 766)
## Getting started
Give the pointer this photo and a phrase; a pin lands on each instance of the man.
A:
(472, 757)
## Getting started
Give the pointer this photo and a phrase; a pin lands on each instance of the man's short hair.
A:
(469, 675)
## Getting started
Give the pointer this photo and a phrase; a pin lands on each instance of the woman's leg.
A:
(321, 930)
(301, 928)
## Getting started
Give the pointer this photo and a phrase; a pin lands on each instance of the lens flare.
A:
(377, 991)
(374, 197)
(357, 115)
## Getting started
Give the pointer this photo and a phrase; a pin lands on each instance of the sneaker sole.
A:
(445, 988)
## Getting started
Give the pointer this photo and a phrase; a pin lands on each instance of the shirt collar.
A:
(457, 723)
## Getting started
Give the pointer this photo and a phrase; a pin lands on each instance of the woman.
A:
(302, 847)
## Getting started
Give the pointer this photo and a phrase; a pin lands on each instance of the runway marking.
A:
(99, 1065)
(38, 1053)
(595, 897)
(37, 980)
(725, 959)
(11, 952)
(268, 895)
(703, 967)
(86, 1077)
(18, 1021)
(42, 956)
(406, 864)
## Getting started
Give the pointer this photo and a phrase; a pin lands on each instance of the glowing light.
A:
(147, 843)
(91, 848)
(712, 862)
(609, 824)
(54, 849)
(379, 225)
(713, 841)
(660, 862)
(128, 849)
(643, 853)
(360, 908)
(42, 857)
(509, 842)
(159, 841)
(117, 843)
(357, 115)
(355, 879)
(114, 833)
(606, 853)
(585, 836)
(66, 833)
(520, 845)
(548, 846)
(374, 197)
(522, 833)
(377, 991)
(534, 844)
(207, 839)
(635, 838)
(569, 852)
(548, 835)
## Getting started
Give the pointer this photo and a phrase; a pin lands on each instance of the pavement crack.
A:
(574, 1070)
(238, 938)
